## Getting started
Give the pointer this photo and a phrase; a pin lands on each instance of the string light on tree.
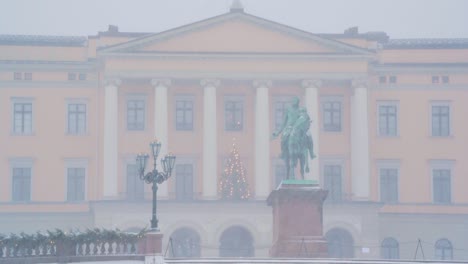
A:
(233, 184)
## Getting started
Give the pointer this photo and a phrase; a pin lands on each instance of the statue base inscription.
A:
(298, 220)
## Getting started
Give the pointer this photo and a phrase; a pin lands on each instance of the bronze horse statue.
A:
(296, 143)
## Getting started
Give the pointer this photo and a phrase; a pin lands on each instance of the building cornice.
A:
(48, 84)
(243, 56)
(65, 66)
(431, 68)
(426, 87)
(190, 75)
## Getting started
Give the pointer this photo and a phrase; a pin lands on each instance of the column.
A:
(262, 139)
(312, 105)
(360, 141)
(111, 92)
(161, 123)
(210, 149)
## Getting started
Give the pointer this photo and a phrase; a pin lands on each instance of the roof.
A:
(429, 43)
(37, 40)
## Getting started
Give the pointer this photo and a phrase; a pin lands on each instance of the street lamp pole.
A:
(155, 177)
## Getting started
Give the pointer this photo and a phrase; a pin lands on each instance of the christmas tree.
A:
(233, 184)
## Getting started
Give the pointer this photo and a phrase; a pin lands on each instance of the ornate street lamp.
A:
(155, 177)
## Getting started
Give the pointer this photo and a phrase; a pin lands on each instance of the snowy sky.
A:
(399, 18)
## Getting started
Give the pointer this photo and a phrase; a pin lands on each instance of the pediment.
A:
(235, 33)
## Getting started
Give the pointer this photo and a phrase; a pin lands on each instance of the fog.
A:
(399, 18)
(373, 128)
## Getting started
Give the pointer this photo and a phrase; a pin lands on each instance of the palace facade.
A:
(389, 127)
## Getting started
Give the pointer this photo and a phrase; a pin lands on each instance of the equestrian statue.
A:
(296, 142)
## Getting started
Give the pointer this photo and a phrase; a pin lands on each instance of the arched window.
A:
(236, 241)
(390, 249)
(340, 243)
(443, 249)
(184, 243)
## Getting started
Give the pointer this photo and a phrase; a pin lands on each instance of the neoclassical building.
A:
(389, 127)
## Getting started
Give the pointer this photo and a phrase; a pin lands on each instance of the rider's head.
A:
(295, 101)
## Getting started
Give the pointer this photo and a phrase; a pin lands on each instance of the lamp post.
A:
(155, 177)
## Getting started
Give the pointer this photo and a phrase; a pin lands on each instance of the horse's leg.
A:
(286, 161)
(302, 166)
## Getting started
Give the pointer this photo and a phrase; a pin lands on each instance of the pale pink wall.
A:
(415, 147)
(43, 53)
(49, 146)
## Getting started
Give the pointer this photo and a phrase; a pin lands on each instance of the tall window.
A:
(390, 249)
(76, 118)
(184, 181)
(332, 182)
(443, 249)
(135, 114)
(389, 185)
(234, 113)
(135, 186)
(331, 111)
(22, 117)
(441, 185)
(75, 184)
(388, 118)
(281, 105)
(440, 120)
(21, 187)
(184, 113)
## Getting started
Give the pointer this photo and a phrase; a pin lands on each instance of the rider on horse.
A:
(296, 143)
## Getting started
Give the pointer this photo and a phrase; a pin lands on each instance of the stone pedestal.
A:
(151, 243)
(298, 220)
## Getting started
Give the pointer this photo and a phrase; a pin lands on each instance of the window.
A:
(443, 249)
(340, 243)
(388, 185)
(281, 105)
(388, 119)
(392, 79)
(234, 113)
(71, 76)
(332, 182)
(184, 113)
(17, 76)
(135, 186)
(441, 185)
(28, 76)
(185, 243)
(236, 241)
(390, 249)
(382, 79)
(331, 111)
(82, 76)
(135, 114)
(76, 118)
(444, 79)
(440, 119)
(22, 116)
(184, 181)
(21, 187)
(75, 184)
